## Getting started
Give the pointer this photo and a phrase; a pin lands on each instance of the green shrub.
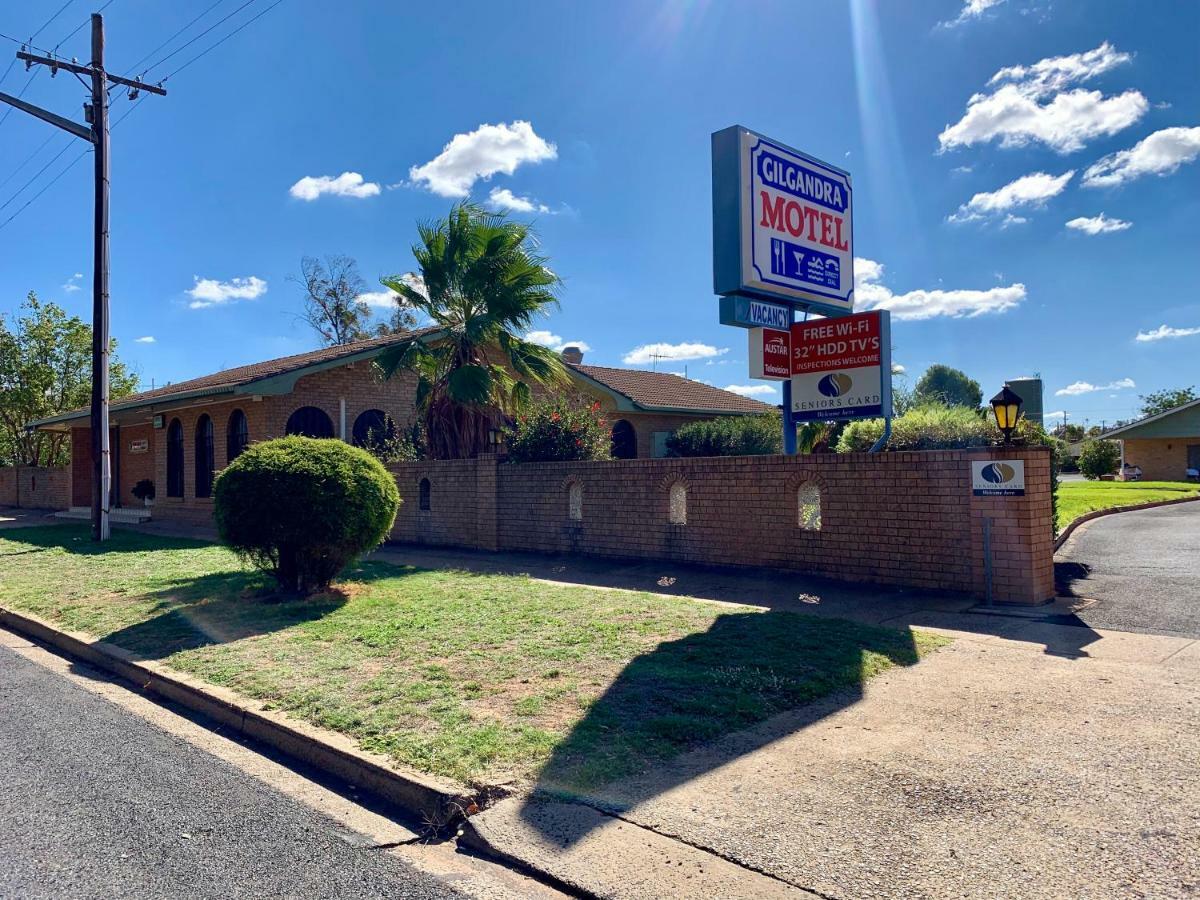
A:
(1099, 458)
(930, 426)
(302, 508)
(559, 431)
(728, 436)
(395, 444)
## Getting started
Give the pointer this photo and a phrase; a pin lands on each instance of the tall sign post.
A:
(783, 242)
(96, 113)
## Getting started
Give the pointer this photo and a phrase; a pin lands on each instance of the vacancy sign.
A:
(770, 354)
(842, 368)
(782, 224)
(998, 478)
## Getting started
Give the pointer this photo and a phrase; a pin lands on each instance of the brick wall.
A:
(895, 518)
(34, 487)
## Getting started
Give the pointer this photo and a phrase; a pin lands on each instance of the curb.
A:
(422, 796)
(1097, 513)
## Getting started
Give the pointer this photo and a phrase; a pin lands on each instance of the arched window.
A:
(624, 441)
(309, 421)
(204, 457)
(808, 506)
(373, 426)
(677, 511)
(175, 459)
(423, 493)
(237, 435)
(575, 501)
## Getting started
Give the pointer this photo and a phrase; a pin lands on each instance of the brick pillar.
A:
(487, 520)
(1022, 531)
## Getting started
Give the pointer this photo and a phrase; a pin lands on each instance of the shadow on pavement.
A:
(744, 671)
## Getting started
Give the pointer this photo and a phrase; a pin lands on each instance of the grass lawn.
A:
(481, 678)
(1075, 498)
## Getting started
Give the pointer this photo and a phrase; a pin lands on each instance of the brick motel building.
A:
(178, 436)
(1166, 447)
(911, 519)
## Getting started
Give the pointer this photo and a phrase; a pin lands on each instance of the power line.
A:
(75, 31)
(204, 53)
(51, 19)
(175, 35)
(52, 161)
(196, 38)
(136, 103)
(13, 173)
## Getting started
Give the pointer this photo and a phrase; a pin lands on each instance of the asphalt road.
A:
(97, 802)
(1143, 568)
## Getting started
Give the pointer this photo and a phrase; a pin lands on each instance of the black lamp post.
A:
(1006, 407)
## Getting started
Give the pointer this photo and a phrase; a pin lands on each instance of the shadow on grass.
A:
(724, 690)
(77, 539)
(216, 609)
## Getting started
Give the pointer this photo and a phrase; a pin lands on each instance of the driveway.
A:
(1142, 568)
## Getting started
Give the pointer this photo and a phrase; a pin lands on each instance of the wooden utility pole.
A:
(96, 113)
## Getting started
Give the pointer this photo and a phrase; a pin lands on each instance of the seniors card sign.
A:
(782, 224)
(998, 478)
(842, 368)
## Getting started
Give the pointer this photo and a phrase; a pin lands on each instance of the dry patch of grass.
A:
(482, 678)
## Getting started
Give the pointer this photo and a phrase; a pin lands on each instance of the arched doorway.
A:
(624, 440)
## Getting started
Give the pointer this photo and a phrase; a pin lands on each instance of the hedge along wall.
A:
(35, 487)
(893, 518)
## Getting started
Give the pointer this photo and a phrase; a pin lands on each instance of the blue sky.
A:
(1026, 178)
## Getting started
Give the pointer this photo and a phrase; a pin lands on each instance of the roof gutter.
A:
(137, 404)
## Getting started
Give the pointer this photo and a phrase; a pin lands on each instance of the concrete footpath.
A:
(997, 767)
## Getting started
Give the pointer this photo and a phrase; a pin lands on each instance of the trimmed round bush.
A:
(303, 508)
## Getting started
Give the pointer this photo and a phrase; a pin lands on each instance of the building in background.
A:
(1030, 392)
(1165, 446)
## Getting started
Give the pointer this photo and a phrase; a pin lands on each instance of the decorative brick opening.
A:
(575, 501)
(424, 491)
(808, 506)
(677, 503)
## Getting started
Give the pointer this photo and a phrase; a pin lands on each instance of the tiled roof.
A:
(661, 390)
(228, 379)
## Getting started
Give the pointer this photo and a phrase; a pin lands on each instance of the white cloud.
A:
(751, 390)
(554, 341)
(972, 9)
(348, 184)
(481, 154)
(1083, 387)
(148, 339)
(898, 369)
(1031, 190)
(1056, 414)
(71, 286)
(503, 198)
(922, 304)
(1159, 154)
(1162, 332)
(211, 292)
(1032, 103)
(1100, 224)
(650, 353)
(384, 299)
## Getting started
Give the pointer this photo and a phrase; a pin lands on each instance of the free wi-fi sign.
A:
(998, 478)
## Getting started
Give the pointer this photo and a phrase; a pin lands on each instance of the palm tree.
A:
(482, 282)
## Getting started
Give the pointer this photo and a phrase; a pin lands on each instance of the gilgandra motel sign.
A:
(783, 225)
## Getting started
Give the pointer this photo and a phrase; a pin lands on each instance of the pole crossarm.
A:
(55, 64)
(80, 131)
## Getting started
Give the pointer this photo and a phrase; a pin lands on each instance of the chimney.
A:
(572, 355)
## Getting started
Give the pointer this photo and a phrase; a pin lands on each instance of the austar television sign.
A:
(782, 224)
